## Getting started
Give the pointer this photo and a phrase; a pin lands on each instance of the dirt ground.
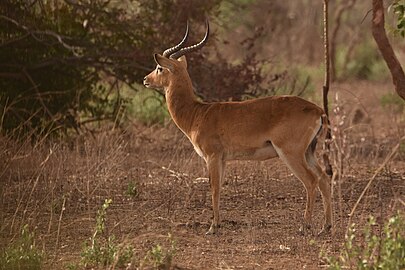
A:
(159, 186)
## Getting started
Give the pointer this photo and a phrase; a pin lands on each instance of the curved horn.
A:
(174, 49)
(195, 47)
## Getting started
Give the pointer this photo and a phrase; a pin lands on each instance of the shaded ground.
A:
(158, 186)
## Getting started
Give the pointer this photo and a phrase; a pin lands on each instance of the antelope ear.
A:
(183, 61)
(163, 62)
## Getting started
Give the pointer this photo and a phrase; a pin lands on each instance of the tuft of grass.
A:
(374, 250)
(22, 254)
(132, 189)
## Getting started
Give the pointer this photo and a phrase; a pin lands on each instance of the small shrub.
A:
(159, 257)
(22, 254)
(102, 249)
(105, 253)
(383, 251)
(132, 189)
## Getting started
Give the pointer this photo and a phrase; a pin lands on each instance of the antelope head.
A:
(172, 64)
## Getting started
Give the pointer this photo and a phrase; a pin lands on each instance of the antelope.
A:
(258, 129)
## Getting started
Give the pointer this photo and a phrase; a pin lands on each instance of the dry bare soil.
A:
(158, 186)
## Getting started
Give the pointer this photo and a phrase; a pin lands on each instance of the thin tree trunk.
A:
(380, 37)
(326, 85)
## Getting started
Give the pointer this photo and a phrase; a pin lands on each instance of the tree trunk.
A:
(325, 90)
(380, 37)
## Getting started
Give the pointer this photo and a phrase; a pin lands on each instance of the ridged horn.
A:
(174, 49)
(195, 47)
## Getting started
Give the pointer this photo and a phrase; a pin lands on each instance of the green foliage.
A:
(159, 257)
(375, 250)
(60, 61)
(302, 80)
(53, 57)
(22, 254)
(106, 253)
(365, 64)
(393, 102)
(63, 63)
(149, 108)
(132, 189)
(231, 12)
(102, 249)
(398, 8)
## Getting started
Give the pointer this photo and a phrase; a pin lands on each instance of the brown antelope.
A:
(280, 126)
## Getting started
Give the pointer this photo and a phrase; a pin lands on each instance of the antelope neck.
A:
(182, 104)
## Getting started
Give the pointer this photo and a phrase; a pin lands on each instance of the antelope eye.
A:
(159, 69)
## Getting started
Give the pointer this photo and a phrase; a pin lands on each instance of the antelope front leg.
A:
(215, 170)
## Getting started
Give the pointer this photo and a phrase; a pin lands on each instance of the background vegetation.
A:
(64, 64)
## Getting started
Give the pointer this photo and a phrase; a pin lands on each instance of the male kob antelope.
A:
(280, 126)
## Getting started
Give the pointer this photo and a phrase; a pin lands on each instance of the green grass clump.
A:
(132, 189)
(22, 254)
(374, 250)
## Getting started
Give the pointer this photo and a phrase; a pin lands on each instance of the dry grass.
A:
(158, 185)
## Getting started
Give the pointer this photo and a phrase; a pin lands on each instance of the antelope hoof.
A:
(213, 230)
(326, 230)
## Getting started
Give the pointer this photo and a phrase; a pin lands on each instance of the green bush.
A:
(148, 107)
(365, 63)
(101, 249)
(398, 8)
(22, 254)
(160, 257)
(393, 102)
(302, 80)
(62, 61)
(297, 80)
(385, 251)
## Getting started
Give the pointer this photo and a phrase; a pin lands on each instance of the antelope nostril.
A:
(145, 82)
